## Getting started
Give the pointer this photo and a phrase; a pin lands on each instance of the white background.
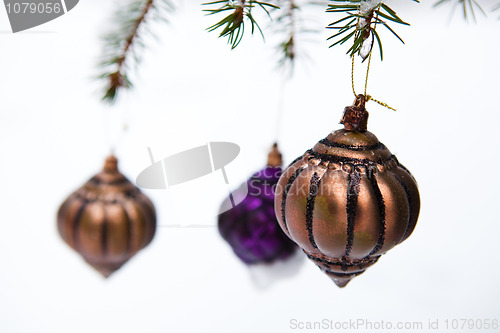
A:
(191, 88)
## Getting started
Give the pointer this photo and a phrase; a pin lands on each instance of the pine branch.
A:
(233, 25)
(288, 21)
(120, 52)
(359, 21)
(466, 5)
(292, 25)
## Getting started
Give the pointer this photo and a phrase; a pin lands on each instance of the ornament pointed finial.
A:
(105, 272)
(274, 159)
(355, 117)
(342, 279)
(106, 269)
(341, 282)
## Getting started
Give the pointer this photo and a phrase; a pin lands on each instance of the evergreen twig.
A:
(288, 21)
(233, 25)
(359, 22)
(467, 7)
(292, 25)
(121, 46)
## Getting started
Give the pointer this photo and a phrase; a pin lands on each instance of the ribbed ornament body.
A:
(108, 220)
(346, 202)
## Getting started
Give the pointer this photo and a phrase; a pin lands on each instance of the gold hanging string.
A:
(368, 70)
(370, 56)
(352, 77)
(368, 97)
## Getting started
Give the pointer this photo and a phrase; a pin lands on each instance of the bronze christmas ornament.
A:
(108, 220)
(348, 200)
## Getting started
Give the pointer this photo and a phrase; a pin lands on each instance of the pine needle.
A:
(292, 24)
(358, 24)
(120, 53)
(233, 24)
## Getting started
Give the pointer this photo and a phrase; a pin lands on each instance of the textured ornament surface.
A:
(108, 220)
(251, 227)
(346, 202)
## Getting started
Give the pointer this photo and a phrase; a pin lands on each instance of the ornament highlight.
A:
(250, 227)
(108, 220)
(348, 200)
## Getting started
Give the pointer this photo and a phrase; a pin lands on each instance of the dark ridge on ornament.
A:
(285, 193)
(104, 235)
(361, 263)
(341, 159)
(408, 198)
(82, 197)
(76, 224)
(353, 181)
(128, 246)
(98, 181)
(313, 192)
(381, 209)
(133, 193)
(148, 214)
(332, 144)
(345, 274)
(344, 267)
(403, 167)
(370, 172)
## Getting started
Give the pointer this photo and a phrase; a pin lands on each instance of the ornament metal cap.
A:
(274, 159)
(111, 164)
(355, 117)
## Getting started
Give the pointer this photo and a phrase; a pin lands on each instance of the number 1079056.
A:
(34, 8)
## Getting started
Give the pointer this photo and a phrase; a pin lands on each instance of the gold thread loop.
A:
(368, 71)
(368, 98)
(352, 77)
(370, 57)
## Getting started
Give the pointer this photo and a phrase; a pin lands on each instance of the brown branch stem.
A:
(117, 79)
(134, 32)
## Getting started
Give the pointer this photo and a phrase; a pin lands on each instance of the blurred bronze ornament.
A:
(348, 200)
(108, 220)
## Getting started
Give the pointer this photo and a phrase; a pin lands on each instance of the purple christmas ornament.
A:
(251, 227)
